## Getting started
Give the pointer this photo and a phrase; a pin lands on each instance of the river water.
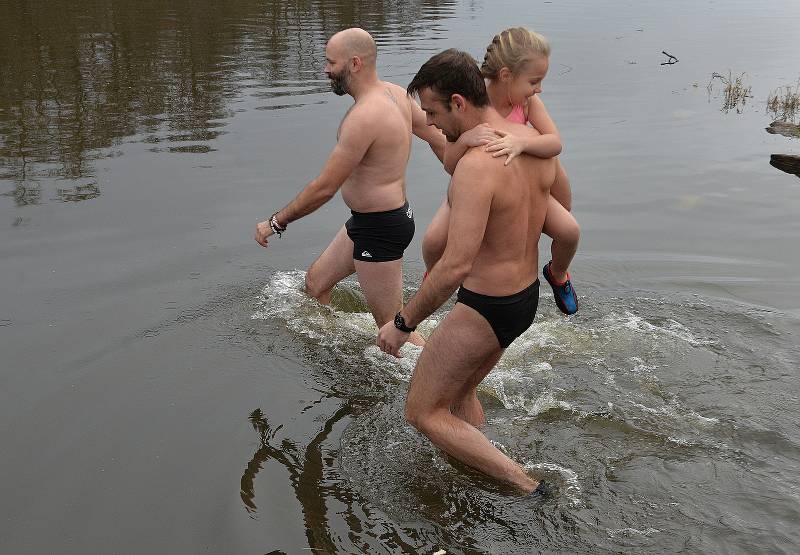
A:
(166, 387)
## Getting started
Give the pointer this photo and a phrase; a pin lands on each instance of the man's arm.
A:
(356, 135)
(427, 133)
(453, 153)
(470, 202)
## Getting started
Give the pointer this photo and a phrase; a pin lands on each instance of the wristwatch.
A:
(400, 323)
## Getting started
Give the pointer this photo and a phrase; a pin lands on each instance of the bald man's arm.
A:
(427, 133)
(355, 138)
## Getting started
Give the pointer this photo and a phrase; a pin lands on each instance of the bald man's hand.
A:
(263, 230)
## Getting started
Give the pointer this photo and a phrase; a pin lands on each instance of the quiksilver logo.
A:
(366, 254)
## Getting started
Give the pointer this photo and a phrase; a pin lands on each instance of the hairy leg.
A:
(332, 266)
(457, 354)
(382, 284)
(467, 406)
(561, 189)
(563, 228)
(436, 236)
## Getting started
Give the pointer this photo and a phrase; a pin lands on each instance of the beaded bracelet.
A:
(275, 226)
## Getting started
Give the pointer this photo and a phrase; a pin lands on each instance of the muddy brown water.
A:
(166, 387)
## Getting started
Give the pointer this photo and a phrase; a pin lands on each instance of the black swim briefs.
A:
(381, 236)
(508, 316)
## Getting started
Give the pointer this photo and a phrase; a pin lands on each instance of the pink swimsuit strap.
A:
(517, 115)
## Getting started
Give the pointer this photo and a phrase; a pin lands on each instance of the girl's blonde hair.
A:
(512, 48)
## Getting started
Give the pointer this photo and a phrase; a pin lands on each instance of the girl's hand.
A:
(479, 135)
(506, 145)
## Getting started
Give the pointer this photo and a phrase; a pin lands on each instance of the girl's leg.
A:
(562, 227)
(565, 232)
(436, 236)
(561, 189)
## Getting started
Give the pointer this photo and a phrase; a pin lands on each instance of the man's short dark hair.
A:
(452, 72)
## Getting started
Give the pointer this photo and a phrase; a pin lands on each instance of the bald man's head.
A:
(355, 42)
(350, 59)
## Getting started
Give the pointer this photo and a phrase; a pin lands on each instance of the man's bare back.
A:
(508, 257)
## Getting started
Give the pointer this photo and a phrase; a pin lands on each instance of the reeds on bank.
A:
(735, 92)
(784, 103)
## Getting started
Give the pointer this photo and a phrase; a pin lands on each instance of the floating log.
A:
(784, 128)
(790, 163)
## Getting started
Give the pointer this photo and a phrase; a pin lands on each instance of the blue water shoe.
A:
(566, 299)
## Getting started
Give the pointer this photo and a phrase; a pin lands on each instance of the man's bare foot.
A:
(543, 490)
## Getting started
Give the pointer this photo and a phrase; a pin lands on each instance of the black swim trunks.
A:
(381, 236)
(508, 316)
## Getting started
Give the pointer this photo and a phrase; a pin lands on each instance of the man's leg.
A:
(382, 284)
(332, 266)
(467, 406)
(457, 354)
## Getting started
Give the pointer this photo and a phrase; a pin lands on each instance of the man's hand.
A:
(479, 135)
(507, 144)
(263, 230)
(390, 339)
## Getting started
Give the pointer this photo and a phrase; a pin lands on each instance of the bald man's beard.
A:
(340, 82)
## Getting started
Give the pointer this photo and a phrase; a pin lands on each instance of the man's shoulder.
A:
(395, 88)
(361, 117)
(476, 159)
(373, 106)
(514, 127)
(477, 166)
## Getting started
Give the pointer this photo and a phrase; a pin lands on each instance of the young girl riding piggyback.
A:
(514, 67)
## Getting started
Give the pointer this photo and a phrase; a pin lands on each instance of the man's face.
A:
(439, 114)
(337, 68)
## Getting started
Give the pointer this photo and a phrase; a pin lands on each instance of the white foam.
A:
(399, 368)
(677, 413)
(511, 382)
(569, 478)
(523, 379)
(613, 533)
(673, 329)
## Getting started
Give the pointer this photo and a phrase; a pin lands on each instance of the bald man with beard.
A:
(368, 164)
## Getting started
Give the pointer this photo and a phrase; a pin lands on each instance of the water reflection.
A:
(335, 518)
(79, 192)
(307, 471)
(305, 474)
(25, 193)
(77, 77)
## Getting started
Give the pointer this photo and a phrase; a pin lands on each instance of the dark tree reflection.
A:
(76, 77)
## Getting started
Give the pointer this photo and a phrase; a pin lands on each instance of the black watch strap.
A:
(400, 323)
